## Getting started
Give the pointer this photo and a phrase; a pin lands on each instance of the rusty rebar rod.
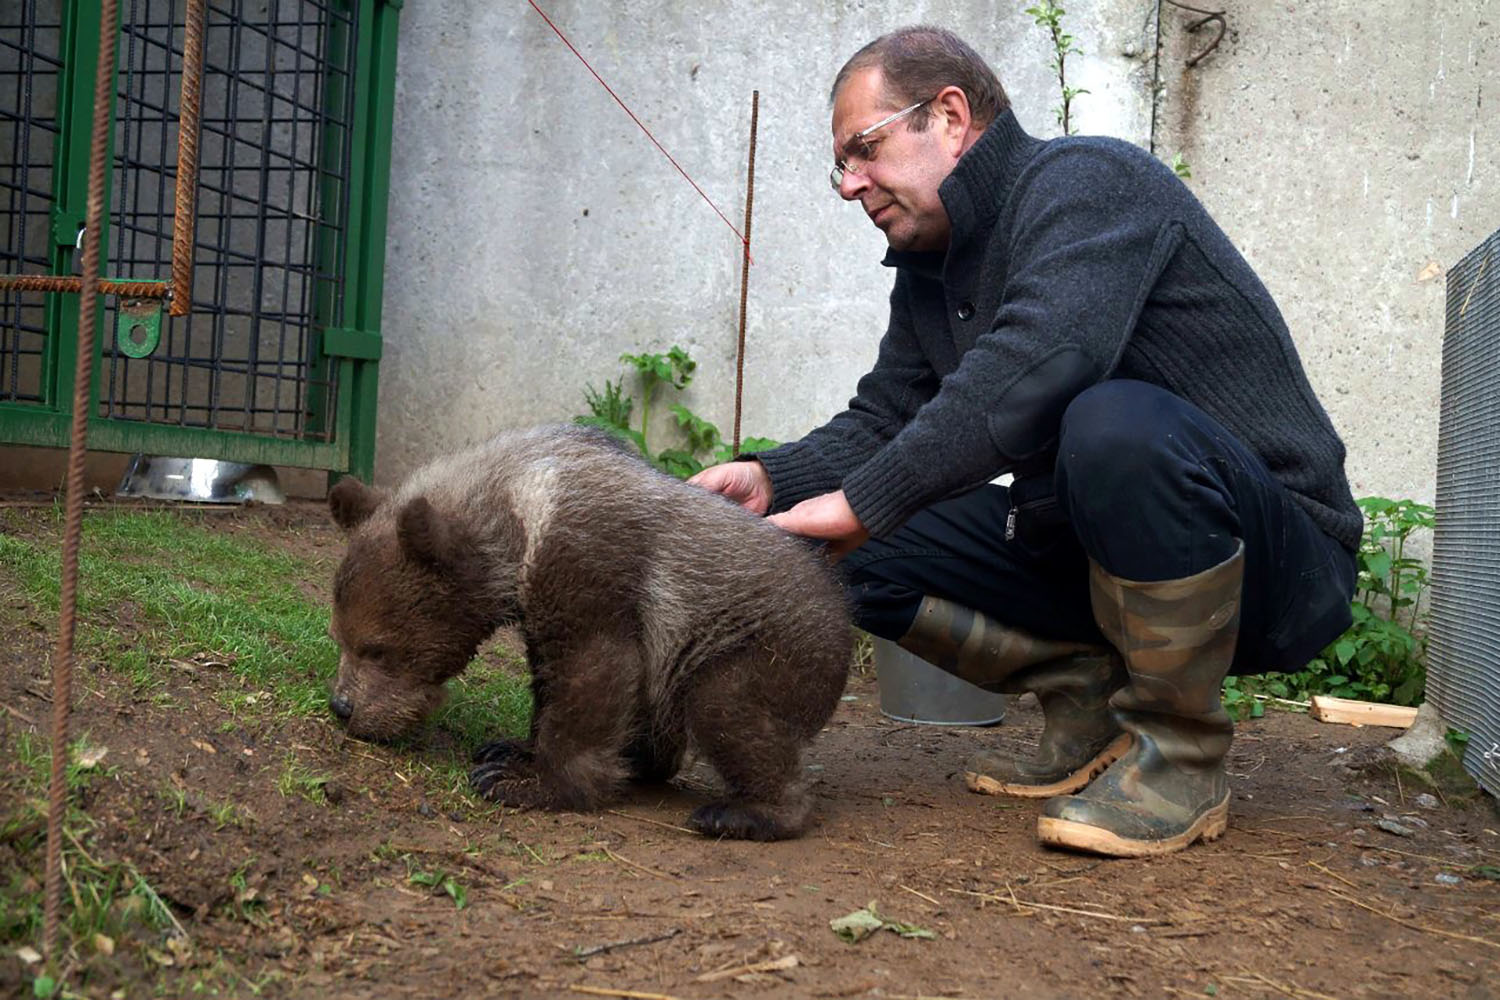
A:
(72, 284)
(739, 358)
(189, 108)
(62, 666)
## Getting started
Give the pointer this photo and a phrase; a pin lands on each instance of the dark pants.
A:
(1151, 488)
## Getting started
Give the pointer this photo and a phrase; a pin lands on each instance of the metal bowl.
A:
(199, 480)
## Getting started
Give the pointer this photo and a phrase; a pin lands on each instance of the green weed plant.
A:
(1049, 15)
(698, 443)
(1382, 656)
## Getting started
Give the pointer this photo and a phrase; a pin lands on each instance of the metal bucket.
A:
(913, 690)
(199, 480)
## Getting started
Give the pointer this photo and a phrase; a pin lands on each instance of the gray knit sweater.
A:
(1084, 245)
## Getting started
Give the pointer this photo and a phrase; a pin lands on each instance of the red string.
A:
(638, 122)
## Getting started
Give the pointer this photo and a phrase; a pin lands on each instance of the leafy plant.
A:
(1382, 655)
(441, 882)
(1180, 166)
(611, 409)
(1049, 15)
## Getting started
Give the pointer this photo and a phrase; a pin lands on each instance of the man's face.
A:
(898, 185)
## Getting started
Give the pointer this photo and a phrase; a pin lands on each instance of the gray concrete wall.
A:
(536, 234)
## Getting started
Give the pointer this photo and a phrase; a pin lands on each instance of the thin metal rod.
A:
(72, 285)
(189, 110)
(62, 667)
(739, 360)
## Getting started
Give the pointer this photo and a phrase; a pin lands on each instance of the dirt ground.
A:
(1308, 895)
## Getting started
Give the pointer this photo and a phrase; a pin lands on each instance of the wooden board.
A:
(1361, 713)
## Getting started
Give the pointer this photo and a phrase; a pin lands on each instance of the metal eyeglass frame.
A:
(840, 167)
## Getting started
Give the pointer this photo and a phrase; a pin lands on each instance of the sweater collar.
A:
(976, 189)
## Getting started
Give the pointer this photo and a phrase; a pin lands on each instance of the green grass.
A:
(187, 593)
(102, 897)
(192, 591)
(297, 778)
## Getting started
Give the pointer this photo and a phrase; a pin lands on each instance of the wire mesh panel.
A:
(1464, 673)
(274, 162)
(30, 68)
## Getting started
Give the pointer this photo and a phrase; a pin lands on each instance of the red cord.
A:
(638, 122)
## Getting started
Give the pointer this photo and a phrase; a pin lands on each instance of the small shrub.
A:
(611, 409)
(1382, 656)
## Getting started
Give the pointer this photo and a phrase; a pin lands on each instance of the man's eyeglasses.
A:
(858, 153)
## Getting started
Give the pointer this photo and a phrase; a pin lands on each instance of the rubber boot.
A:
(1072, 681)
(1080, 736)
(1178, 639)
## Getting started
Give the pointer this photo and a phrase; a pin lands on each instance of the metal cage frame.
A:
(275, 359)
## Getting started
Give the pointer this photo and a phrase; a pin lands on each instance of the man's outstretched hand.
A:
(828, 517)
(746, 483)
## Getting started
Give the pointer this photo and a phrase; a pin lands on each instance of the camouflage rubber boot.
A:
(1178, 639)
(1072, 680)
(1080, 736)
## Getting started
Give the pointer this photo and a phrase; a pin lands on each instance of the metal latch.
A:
(138, 327)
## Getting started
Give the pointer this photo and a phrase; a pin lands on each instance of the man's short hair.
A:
(918, 61)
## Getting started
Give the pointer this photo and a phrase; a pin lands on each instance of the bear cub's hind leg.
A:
(756, 751)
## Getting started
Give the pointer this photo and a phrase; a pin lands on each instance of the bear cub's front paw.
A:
(502, 753)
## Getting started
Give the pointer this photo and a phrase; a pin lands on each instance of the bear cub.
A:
(656, 617)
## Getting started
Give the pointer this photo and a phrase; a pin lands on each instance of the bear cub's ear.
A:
(351, 502)
(430, 539)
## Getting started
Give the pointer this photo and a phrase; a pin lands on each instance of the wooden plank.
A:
(1326, 708)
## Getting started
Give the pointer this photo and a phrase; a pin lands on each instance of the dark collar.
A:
(976, 189)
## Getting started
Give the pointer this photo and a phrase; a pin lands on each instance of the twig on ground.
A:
(1332, 874)
(1413, 925)
(20, 715)
(631, 994)
(599, 949)
(1293, 990)
(649, 871)
(769, 965)
(920, 895)
(1059, 909)
(653, 822)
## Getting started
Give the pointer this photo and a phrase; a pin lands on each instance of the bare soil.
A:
(1306, 896)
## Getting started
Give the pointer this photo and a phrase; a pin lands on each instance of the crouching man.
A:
(1067, 312)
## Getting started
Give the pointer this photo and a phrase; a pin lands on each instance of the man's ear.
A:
(429, 539)
(951, 105)
(351, 502)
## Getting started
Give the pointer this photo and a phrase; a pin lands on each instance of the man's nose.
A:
(852, 185)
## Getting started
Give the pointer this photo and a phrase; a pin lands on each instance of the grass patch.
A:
(103, 900)
(187, 590)
(298, 779)
(191, 592)
(487, 701)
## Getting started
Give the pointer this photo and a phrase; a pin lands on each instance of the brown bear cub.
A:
(656, 616)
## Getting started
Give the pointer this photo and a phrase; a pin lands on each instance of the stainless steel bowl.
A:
(199, 480)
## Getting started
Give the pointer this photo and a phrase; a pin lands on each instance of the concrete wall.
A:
(536, 233)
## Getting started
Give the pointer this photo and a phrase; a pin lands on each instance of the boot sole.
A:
(1097, 840)
(1080, 778)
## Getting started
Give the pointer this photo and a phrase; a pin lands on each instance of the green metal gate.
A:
(276, 357)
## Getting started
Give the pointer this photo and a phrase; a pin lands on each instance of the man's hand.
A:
(746, 483)
(828, 517)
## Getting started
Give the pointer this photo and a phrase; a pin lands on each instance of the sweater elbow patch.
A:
(1026, 419)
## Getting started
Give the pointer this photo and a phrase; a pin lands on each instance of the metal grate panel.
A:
(30, 66)
(278, 105)
(1463, 678)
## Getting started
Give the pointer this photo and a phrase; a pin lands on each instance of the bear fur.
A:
(656, 616)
